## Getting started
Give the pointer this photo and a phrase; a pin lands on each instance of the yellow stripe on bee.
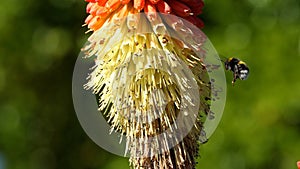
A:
(241, 63)
(229, 59)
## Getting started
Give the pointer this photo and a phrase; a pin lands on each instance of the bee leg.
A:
(234, 79)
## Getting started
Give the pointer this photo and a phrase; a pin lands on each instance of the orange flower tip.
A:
(196, 3)
(150, 10)
(180, 8)
(112, 5)
(94, 9)
(102, 12)
(197, 11)
(125, 2)
(88, 19)
(196, 6)
(139, 4)
(185, 1)
(94, 21)
(163, 7)
(89, 7)
(101, 2)
(154, 1)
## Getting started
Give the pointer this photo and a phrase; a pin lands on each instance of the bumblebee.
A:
(239, 68)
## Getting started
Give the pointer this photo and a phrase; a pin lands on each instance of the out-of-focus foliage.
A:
(261, 123)
(40, 41)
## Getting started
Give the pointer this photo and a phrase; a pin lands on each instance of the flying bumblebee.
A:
(239, 68)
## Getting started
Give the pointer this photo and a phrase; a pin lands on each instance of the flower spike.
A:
(145, 79)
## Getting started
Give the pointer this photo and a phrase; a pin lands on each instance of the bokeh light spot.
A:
(49, 44)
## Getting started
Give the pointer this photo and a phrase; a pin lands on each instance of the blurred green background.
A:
(39, 44)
